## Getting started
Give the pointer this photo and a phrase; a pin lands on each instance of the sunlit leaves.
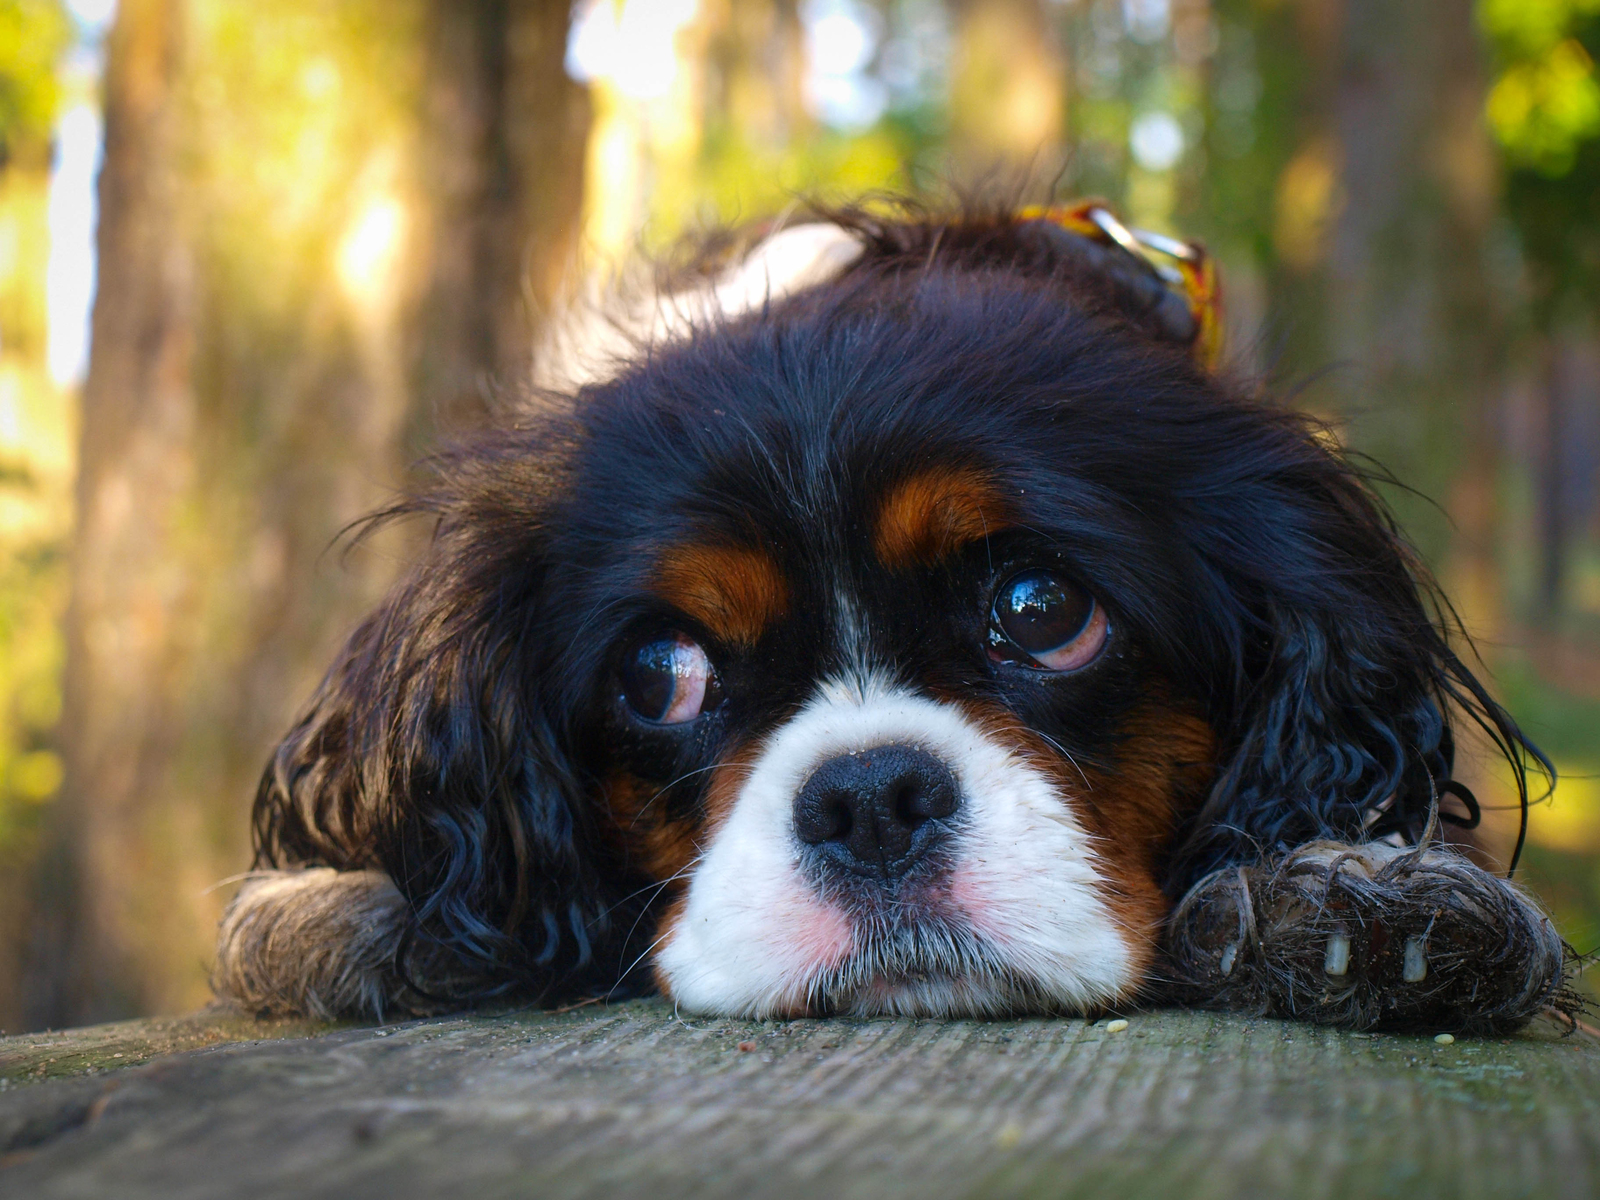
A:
(1545, 102)
(1542, 110)
(1543, 107)
(36, 429)
(33, 36)
(299, 125)
(1531, 28)
(1307, 200)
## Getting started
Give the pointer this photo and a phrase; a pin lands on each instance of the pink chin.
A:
(970, 898)
(815, 935)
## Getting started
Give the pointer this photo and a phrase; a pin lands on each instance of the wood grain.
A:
(631, 1101)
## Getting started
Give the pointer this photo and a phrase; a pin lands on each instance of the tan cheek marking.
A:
(662, 847)
(734, 591)
(667, 848)
(1167, 757)
(930, 516)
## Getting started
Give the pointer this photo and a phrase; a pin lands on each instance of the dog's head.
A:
(902, 643)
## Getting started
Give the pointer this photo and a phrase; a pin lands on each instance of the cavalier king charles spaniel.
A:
(897, 614)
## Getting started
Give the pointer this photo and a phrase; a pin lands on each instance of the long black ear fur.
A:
(432, 769)
(1345, 690)
(1312, 883)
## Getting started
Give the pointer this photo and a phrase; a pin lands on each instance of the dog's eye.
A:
(1055, 623)
(669, 680)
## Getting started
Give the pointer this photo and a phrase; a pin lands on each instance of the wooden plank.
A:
(60, 1054)
(630, 1100)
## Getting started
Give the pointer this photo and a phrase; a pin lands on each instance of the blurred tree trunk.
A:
(1411, 302)
(1007, 92)
(755, 58)
(1380, 232)
(1410, 295)
(1549, 462)
(275, 336)
(505, 135)
(1567, 388)
(126, 611)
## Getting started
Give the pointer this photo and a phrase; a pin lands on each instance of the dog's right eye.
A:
(1053, 622)
(669, 680)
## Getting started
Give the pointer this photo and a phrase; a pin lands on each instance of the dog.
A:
(897, 613)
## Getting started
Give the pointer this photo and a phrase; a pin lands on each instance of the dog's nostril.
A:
(870, 812)
(824, 818)
(926, 800)
(906, 803)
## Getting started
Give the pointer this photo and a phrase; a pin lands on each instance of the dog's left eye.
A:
(1054, 623)
(669, 680)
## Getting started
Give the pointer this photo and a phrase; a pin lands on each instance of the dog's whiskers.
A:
(1067, 754)
(645, 807)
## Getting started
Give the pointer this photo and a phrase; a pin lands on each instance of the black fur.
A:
(1248, 566)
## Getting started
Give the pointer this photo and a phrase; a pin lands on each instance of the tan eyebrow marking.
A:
(734, 591)
(931, 515)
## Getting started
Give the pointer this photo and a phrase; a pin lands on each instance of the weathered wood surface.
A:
(631, 1101)
(63, 1053)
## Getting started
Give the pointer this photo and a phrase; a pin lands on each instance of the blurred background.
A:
(257, 256)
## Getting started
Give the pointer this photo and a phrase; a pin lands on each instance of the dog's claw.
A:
(1352, 935)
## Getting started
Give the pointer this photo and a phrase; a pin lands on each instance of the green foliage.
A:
(735, 178)
(34, 34)
(32, 591)
(1544, 109)
(1531, 28)
(1560, 864)
(34, 473)
(36, 434)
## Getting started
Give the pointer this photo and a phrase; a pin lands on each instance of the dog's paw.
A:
(1369, 936)
(322, 943)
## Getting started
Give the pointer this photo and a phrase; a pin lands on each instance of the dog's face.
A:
(869, 685)
(901, 646)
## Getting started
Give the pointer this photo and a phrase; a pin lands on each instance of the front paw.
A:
(1369, 936)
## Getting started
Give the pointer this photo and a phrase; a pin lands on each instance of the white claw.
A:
(1337, 961)
(1416, 960)
(1229, 953)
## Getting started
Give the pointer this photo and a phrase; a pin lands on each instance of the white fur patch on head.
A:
(1017, 921)
(600, 338)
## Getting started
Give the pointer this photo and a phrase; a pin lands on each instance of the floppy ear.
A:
(1339, 721)
(430, 774)
(1295, 898)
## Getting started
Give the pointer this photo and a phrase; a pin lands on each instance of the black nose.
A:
(877, 812)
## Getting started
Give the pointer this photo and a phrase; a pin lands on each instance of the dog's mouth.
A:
(978, 893)
(932, 967)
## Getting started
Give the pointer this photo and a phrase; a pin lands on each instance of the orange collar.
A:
(1183, 267)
